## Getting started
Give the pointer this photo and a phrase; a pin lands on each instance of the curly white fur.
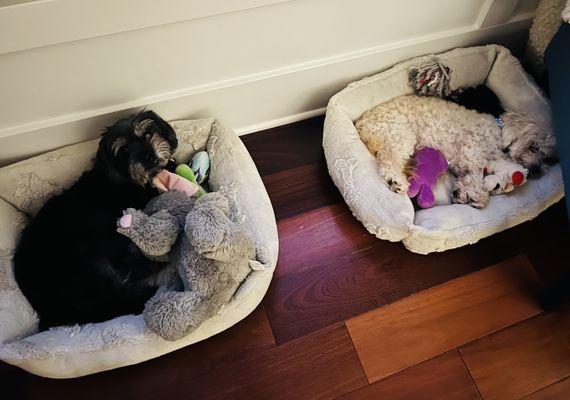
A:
(470, 141)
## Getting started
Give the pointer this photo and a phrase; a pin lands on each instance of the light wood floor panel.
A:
(436, 320)
(522, 359)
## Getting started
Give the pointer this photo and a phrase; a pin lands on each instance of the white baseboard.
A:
(272, 123)
(258, 101)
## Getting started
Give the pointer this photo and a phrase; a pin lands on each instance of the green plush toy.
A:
(185, 171)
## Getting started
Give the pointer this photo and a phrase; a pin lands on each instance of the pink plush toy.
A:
(430, 164)
(166, 180)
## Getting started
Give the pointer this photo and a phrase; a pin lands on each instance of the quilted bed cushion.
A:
(78, 350)
(391, 216)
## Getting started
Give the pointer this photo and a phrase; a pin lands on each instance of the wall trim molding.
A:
(276, 97)
(273, 123)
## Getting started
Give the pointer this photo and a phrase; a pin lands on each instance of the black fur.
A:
(479, 98)
(70, 263)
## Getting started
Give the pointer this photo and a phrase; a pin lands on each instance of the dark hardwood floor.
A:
(350, 316)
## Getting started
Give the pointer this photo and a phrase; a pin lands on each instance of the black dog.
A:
(70, 263)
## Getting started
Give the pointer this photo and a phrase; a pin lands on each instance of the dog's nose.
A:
(170, 165)
(151, 161)
(535, 170)
(551, 160)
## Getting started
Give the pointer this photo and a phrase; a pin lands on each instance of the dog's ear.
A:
(166, 130)
(106, 159)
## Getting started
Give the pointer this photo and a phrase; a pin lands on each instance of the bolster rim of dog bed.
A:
(390, 216)
(72, 351)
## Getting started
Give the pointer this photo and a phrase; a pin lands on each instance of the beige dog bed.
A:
(391, 216)
(72, 351)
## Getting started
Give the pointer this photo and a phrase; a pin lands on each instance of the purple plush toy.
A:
(430, 164)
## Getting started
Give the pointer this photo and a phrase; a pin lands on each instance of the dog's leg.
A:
(468, 164)
(393, 159)
(392, 141)
(470, 189)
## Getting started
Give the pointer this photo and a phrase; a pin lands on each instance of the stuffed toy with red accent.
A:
(504, 176)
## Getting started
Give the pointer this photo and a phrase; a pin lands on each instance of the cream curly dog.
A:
(471, 142)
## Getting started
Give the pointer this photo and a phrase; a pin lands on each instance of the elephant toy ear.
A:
(206, 227)
(215, 200)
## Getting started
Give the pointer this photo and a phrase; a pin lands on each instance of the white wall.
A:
(67, 67)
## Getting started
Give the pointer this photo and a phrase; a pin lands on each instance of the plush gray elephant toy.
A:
(212, 251)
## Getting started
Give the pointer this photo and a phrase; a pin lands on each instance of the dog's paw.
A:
(397, 184)
(476, 199)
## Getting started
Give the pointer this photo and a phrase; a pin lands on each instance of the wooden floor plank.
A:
(557, 391)
(287, 146)
(439, 319)
(301, 189)
(521, 359)
(443, 378)
(250, 336)
(332, 232)
(319, 366)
